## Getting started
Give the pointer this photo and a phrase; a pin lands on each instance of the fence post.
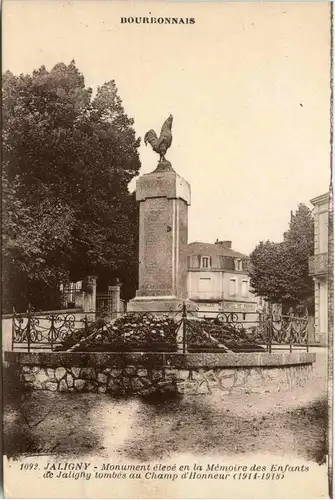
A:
(85, 325)
(13, 328)
(183, 318)
(290, 315)
(51, 331)
(28, 326)
(307, 325)
(270, 323)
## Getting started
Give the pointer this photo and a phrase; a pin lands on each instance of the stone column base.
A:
(158, 305)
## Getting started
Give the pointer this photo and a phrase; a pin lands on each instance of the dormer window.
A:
(205, 262)
(238, 265)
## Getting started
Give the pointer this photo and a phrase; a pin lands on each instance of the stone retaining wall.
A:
(146, 373)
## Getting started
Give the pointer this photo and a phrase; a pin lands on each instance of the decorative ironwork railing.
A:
(31, 331)
(290, 330)
(159, 331)
(318, 264)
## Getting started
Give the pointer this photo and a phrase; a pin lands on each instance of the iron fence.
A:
(180, 329)
(35, 331)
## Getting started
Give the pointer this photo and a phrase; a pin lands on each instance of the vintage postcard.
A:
(167, 266)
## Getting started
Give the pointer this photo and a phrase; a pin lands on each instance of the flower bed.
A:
(212, 334)
(132, 332)
(148, 332)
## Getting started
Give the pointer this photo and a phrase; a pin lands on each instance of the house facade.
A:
(218, 280)
(318, 267)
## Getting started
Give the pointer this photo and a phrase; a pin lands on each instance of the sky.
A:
(248, 85)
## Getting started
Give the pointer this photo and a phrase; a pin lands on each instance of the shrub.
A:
(207, 333)
(131, 332)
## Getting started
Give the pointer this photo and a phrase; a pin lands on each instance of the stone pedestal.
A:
(115, 292)
(164, 198)
(89, 293)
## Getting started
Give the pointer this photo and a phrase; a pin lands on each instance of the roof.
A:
(320, 199)
(210, 249)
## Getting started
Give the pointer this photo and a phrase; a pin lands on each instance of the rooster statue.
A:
(160, 145)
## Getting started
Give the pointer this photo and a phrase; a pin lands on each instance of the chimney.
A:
(226, 243)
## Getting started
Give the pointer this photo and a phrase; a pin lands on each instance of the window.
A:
(323, 232)
(238, 265)
(232, 287)
(206, 262)
(245, 288)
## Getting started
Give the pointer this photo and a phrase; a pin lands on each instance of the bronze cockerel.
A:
(160, 145)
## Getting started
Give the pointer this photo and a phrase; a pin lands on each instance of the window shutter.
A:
(244, 288)
(210, 261)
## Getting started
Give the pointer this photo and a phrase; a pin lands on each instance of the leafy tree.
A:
(279, 271)
(68, 159)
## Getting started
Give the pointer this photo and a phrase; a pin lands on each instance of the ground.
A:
(290, 423)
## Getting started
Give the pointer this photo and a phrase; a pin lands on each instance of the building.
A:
(218, 279)
(318, 267)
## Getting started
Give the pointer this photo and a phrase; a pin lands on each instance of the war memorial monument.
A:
(164, 198)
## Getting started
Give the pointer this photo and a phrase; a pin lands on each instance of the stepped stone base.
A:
(160, 305)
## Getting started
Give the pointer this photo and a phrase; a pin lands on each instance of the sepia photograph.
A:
(167, 249)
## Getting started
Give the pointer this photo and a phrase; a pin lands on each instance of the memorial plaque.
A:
(157, 272)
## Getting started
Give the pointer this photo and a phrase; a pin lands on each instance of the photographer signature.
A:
(34, 448)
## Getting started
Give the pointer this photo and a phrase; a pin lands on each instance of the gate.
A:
(109, 303)
(104, 303)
